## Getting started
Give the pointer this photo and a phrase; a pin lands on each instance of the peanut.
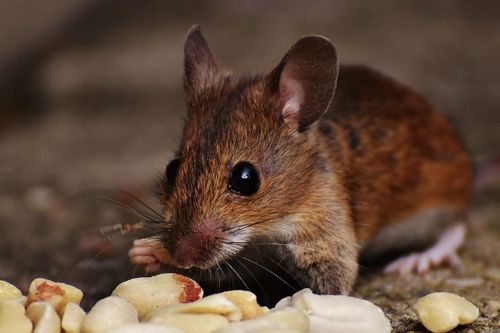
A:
(286, 320)
(442, 311)
(216, 304)
(144, 328)
(329, 313)
(13, 317)
(44, 318)
(56, 293)
(191, 323)
(72, 318)
(246, 302)
(109, 313)
(8, 290)
(150, 293)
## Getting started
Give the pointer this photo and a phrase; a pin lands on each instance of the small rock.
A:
(41, 198)
(464, 283)
(493, 274)
(492, 308)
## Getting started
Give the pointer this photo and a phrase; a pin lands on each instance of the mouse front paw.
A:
(148, 253)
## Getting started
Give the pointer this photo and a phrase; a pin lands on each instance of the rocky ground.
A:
(105, 110)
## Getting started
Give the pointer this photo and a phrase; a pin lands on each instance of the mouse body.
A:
(323, 163)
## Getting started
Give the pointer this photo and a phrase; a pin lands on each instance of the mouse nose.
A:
(196, 248)
(186, 254)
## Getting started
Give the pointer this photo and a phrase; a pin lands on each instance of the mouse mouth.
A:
(206, 247)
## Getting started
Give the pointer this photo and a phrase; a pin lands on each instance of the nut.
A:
(285, 320)
(442, 311)
(214, 304)
(144, 328)
(332, 313)
(56, 293)
(150, 293)
(109, 313)
(246, 302)
(191, 323)
(13, 317)
(273, 330)
(8, 290)
(23, 300)
(44, 318)
(72, 318)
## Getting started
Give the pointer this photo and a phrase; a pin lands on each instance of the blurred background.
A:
(91, 103)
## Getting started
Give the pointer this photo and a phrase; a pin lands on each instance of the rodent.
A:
(330, 161)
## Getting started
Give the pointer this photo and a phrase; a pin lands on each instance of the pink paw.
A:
(423, 262)
(443, 253)
(148, 253)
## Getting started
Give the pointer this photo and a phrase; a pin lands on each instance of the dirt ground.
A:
(101, 109)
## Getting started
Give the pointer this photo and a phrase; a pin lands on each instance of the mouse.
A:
(325, 163)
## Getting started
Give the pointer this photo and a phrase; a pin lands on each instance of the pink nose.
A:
(186, 254)
(196, 248)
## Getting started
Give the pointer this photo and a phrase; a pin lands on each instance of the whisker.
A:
(268, 243)
(210, 273)
(269, 271)
(219, 272)
(127, 228)
(239, 228)
(142, 203)
(232, 277)
(199, 274)
(132, 210)
(255, 279)
(237, 274)
(282, 268)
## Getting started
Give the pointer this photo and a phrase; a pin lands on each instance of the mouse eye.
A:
(244, 179)
(171, 171)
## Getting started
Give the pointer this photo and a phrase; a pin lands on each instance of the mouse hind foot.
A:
(442, 253)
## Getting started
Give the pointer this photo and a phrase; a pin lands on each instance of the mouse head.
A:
(248, 152)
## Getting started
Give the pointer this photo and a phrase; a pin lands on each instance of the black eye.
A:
(171, 171)
(244, 179)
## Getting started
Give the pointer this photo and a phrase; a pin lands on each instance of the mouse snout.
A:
(198, 246)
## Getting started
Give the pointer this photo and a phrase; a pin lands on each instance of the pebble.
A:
(492, 308)
(492, 274)
(41, 198)
(464, 283)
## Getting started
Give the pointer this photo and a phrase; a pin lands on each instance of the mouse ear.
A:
(200, 67)
(305, 80)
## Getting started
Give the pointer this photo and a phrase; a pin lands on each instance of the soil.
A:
(107, 109)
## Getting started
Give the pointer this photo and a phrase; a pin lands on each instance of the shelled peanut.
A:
(441, 312)
(171, 303)
(56, 294)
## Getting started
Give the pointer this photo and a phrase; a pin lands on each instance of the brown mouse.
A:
(330, 162)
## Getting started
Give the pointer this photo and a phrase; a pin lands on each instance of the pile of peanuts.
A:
(172, 303)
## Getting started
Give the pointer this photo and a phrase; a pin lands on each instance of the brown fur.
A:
(408, 158)
(380, 154)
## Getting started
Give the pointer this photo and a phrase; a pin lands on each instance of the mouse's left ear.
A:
(200, 67)
(305, 80)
